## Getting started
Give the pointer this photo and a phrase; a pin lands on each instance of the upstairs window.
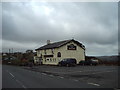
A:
(52, 51)
(59, 54)
(41, 55)
(45, 51)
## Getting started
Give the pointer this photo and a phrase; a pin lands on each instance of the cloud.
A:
(93, 24)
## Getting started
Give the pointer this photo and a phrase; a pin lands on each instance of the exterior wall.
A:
(48, 60)
(36, 59)
(78, 54)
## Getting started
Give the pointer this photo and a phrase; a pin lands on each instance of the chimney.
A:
(48, 41)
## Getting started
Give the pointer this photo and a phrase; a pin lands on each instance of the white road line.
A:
(16, 79)
(11, 74)
(76, 80)
(94, 84)
(44, 73)
(20, 83)
(51, 75)
(47, 71)
(61, 77)
(101, 72)
(78, 71)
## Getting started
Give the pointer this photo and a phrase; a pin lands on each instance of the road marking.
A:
(44, 73)
(101, 72)
(77, 71)
(16, 79)
(51, 75)
(61, 77)
(11, 74)
(75, 80)
(94, 84)
(20, 83)
(47, 71)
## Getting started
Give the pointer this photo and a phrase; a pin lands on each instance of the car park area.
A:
(104, 76)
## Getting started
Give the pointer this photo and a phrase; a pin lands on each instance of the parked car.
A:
(95, 62)
(88, 62)
(68, 62)
(82, 62)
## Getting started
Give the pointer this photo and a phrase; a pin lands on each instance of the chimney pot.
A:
(48, 41)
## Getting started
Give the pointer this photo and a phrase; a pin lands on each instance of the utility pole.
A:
(9, 55)
(12, 50)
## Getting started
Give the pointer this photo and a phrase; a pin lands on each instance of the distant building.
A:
(52, 53)
(29, 51)
(37, 60)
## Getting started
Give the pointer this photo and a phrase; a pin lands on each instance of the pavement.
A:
(103, 76)
(25, 77)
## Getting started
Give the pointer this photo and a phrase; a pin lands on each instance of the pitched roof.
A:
(59, 44)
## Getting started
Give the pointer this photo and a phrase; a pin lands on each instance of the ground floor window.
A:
(50, 59)
(59, 54)
(45, 60)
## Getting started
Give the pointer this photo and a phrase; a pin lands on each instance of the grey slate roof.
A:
(59, 44)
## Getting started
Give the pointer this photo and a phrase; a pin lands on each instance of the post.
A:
(9, 55)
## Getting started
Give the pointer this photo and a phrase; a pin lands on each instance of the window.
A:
(59, 54)
(55, 59)
(45, 59)
(48, 55)
(38, 52)
(50, 59)
(45, 51)
(41, 55)
(52, 51)
(71, 47)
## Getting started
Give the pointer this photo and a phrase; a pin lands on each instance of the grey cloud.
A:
(33, 23)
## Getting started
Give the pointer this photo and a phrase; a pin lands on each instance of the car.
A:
(9, 62)
(85, 62)
(68, 62)
(82, 62)
(95, 62)
(88, 62)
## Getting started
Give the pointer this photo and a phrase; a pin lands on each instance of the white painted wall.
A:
(78, 54)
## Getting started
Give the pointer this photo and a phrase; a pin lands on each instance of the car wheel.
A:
(67, 65)
(59, 64)
(74, 64)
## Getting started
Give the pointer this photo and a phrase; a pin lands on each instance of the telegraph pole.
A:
(12, 50)
(9, 55)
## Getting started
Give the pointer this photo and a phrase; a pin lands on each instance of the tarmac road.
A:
(17, 77)
(104, 76)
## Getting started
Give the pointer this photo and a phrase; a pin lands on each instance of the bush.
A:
(15, 62)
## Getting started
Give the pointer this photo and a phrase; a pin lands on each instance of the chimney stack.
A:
(48, 41)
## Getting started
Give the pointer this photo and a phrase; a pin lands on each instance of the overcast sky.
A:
(29, 25)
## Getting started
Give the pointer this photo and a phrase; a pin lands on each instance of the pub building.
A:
(52, 53)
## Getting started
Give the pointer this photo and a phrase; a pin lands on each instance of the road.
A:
(17, 77)
(104, 76)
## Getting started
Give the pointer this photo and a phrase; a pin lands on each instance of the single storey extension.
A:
(52, 53)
